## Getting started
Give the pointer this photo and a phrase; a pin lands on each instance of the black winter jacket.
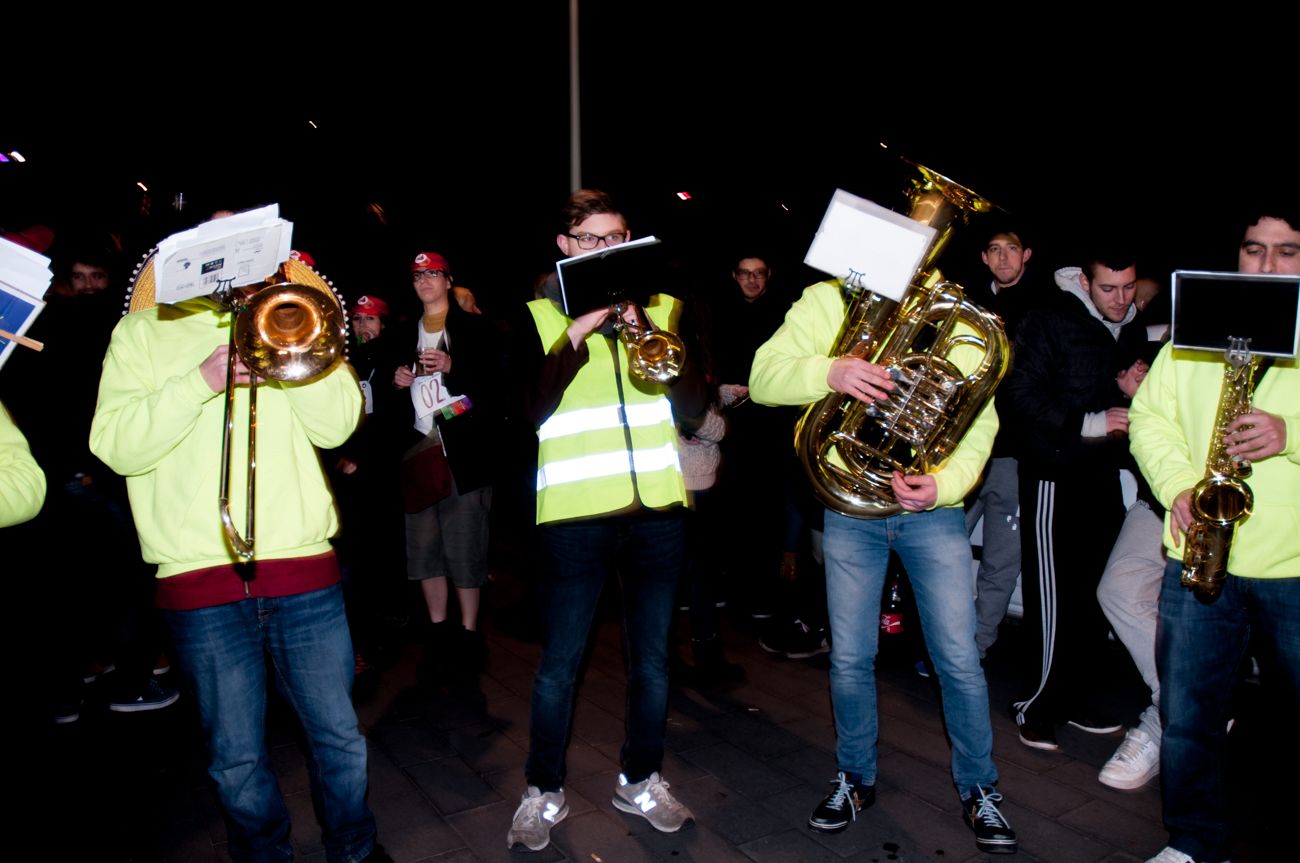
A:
(1065, 364)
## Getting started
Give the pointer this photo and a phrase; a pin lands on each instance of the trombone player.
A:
(159, 422)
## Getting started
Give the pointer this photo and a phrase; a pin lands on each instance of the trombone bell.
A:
(284, 332)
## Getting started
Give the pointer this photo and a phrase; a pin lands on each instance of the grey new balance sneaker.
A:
(538, 812)
(650, 799)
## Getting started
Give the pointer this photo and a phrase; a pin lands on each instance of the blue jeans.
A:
(222, 653)
(1199, 649)
(934, 549)
(647, 552)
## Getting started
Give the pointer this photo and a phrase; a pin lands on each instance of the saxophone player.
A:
(793, 368)
(1199, 645)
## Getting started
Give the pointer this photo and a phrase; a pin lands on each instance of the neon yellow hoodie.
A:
(1169, 429)
(791, 368)
(159, 424)
(22, 482)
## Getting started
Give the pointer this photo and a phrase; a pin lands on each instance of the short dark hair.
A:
(88, 255)
(1113, 256)
(583, 204)
(735, 262)
(1269, 209)
(1005, 228)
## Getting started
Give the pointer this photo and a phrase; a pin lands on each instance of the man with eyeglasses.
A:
(610, 495)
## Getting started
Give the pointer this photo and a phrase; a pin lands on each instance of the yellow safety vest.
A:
(612, 439)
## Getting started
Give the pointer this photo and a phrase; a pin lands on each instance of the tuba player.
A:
(929, 536)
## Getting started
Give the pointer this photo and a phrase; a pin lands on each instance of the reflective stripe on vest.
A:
(610, 416)
(605, 464)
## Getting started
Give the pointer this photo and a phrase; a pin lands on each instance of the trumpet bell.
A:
(656, 356)
(290, 332)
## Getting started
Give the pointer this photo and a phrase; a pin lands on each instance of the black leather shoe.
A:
(842, 805)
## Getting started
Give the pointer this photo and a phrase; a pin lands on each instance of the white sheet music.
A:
(232, 252)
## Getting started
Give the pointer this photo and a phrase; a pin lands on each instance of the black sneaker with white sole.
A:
(993, 834)
(842, 805)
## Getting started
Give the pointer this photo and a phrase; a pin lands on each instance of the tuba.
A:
(1222, 499)
(933, 403)
(289, 328)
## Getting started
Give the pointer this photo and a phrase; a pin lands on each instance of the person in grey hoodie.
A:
(1070, 419)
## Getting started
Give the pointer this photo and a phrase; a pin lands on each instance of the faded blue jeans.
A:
(935, 551)
(222, 652)
(647, 552)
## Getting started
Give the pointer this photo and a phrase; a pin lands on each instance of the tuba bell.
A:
(850, 449)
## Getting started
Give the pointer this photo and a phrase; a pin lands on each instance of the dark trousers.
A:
(1068, 527)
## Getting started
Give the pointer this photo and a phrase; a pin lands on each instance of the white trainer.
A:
(538, 812)
(650, 799)
(1135, 763)
(1173, 855)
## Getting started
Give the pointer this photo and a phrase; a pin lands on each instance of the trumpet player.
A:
(1199, 645)
(792, 368)
(610, 494)
(159, 423)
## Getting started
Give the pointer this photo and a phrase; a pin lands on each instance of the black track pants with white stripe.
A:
(1067, 529)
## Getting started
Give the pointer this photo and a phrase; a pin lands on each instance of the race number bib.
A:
(368, 397)
(430, 395)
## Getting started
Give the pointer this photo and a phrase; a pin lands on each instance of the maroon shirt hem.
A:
(219, 585)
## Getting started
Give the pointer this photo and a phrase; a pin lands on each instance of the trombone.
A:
(289, 330)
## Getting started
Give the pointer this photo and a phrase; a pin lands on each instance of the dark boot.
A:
(711, 667)
(439, 650)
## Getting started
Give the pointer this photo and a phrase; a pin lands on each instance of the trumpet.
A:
(654, 355)
(288, 330)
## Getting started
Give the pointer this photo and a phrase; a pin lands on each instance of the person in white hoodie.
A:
(1070, 418)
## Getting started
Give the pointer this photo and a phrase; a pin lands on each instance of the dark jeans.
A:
(1199, 649)
(646, 551)
(223, 653)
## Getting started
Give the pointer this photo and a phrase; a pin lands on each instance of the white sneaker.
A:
(1173, 855)
(538, 812)
(1135, 763)
(650, 799)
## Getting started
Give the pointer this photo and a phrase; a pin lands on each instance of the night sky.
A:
(448, 130)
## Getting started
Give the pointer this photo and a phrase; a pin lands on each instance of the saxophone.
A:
(1222, 499)
(933, 403)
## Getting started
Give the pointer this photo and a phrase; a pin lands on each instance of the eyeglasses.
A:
(590, 241)
(745, 275)
(429, 274)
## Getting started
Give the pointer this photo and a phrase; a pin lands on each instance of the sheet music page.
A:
(24, 278)
(868, 246)
(235, 251)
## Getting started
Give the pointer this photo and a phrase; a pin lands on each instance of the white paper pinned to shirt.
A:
(869, 246)
(232, 252)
